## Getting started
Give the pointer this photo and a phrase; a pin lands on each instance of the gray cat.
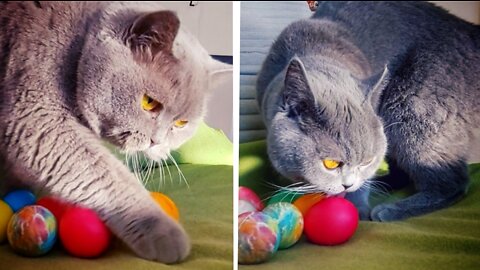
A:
(362, 80)
(73, 73)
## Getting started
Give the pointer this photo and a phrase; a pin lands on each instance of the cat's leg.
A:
(438, 187)
(395, 179)
(9, 182)
(360, 198)
(67, 160)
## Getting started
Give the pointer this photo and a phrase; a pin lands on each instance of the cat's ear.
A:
(152, 33)
(297, 94)
(375, 85)
(219, 73)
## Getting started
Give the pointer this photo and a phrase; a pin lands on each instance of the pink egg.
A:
(246, 194)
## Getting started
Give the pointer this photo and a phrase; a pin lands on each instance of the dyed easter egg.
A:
(257, 237)
(305, 202)
(284, 196)
(32, 231)
(332, 221)
(250, 196)
(18, 199)
(5, 214)
(244, 206)
(290, 222)
(166, 204)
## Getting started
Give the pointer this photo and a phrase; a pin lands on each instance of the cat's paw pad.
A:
(385, 212)
(165, 242)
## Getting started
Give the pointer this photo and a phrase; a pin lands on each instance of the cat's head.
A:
(326, 133)
(143, 81)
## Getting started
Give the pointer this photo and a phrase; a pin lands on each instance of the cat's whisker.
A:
(131, 164)
(160, 175)
(137, 170)
(268, 197)
(168, 170)
(379, 185)
(180, 173)
(164, 176)
(376, 188)
(150, 166)
(286, 194)
(140, 168)
(293, 188)
(394, 123)
(305, 188)
(277, 186)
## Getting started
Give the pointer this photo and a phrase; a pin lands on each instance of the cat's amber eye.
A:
(331, 164)
(150, 104)
(180, 123)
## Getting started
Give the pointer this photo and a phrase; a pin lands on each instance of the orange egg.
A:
(305, 202)
(166, 204)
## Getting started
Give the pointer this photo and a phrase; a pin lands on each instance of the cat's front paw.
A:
(160, 240)
(386, 212)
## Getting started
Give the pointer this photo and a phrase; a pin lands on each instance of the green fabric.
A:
(207, 146)
(446, 239)
(205, 211)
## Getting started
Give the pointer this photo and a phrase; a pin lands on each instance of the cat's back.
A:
(32, 33)
(419, 41)
(384, 30)
(39, 42)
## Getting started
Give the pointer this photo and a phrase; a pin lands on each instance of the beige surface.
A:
(467, 10)
(212, 24)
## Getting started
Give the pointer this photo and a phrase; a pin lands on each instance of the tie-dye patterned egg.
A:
(290, 222)
(257, 237)
(32, 231)
(245, 206)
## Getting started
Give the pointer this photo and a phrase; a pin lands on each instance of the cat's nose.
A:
(346, 186)
(152, 143)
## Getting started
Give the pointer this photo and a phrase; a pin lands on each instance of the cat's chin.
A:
(157, 153)
(341, 194)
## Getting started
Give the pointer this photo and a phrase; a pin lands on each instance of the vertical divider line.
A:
(236, 124)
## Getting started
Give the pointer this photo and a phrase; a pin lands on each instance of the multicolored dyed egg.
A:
(246, 194)
(32, 231)
(258, 237)
(290, 222)
(245, 206)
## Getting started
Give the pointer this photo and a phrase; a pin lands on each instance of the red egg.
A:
(331, 221)
(55, 205)
(82, 233)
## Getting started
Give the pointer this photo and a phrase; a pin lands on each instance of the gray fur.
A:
(402, 74)
(73, 73)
